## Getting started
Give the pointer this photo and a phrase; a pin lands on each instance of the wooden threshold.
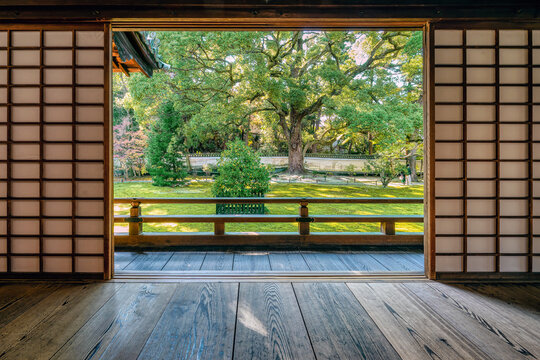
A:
(264, 276)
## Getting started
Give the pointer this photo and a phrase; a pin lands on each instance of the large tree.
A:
(311, 85)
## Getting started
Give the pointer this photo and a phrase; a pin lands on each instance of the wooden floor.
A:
(414, 320)
(367, 261)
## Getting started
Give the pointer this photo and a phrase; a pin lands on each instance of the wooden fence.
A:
(304, 237)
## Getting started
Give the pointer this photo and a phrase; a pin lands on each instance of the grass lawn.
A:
(202, 189)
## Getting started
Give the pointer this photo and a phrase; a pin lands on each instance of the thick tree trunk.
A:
(296, 154)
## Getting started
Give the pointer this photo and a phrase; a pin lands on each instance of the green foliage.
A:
(387, 167)
(166, 164)
(241, 173)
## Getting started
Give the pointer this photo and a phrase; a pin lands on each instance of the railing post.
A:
(219, 228)
(135, 223)
(388, 228)
(303, 226)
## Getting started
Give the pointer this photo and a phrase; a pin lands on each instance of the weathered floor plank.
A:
(483, 333)
(123, 259)
(218, 261)
(185, 261)
(121, 327)
(251, 261)
(411, 331)
(362, 262)
(198, 323)
(520, 296)
(338, 326)
(287, 261)
(396, 262)
(150, 261)
(51, 332)
(269, 324)
(324, 262)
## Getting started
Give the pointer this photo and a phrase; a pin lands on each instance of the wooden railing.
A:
(387, 235)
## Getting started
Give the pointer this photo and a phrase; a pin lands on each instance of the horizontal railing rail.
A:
(387, 234)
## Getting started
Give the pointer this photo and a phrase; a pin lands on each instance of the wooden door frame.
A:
(307, 24)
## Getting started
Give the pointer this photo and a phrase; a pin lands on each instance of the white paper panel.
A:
(513, 264)
(23, 38)
(514, 207)
(57, 95)
(449, 226)
(25, 114)
(24, 152)
(448, 113)
(90, 76)
(3, 39)
(448, 75)
(25, 264)
(25, 57)
(90, 189)
(536, 245)
(57, 208)
(480, 56)
(480, 75)
(448, 56)
(25, 95)
(3, 114)
(57, 151)
(3, 226)
(57, 264)
(57, 170)
(3, 171)
(449, 188)
(25, 171)
(448, 207)
(58, 76)
(90, 38)
(513, 151)
(56, 227)
(90, 95)
(89, 208)
(513, 37)
(3, 133)
(514, 226)
(513, 94)
(57, 57)
(90, 132)
(25, 76)
(89, 227)
(25, 207)
(480, 37)
(480, 226)
(480, 151)
(25, 189)
(57, 113)
(448, 263)
(513, 188)
(89, 57)
(58, 38)
(57, 189)
(481, 207)
(480, 132)
(480, 244)
(89, 151)
(448, 37)
(25, 226)
(513, 75)
(477, 188)
(58, 132)
(3, 245)
(25, 133)
(536, 264)
(3, 207)
(513, 170)
(54, 245)
(513, 56)
(509, 245)
(480, 263)
(448, 151)
(517, 113)
(448, 169)
(448, 94)
(444, 132)
(448, 244)
(3, 96)
(480, 113)
(90, 114)
(3, 76)
(90, 171)
(89, 264)
(89, 245)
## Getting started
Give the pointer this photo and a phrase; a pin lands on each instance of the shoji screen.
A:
(53, 151)
(486, 114)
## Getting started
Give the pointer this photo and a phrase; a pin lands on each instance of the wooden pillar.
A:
(135, 223)
(388, 228)
(219, 228)
(303, 227)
